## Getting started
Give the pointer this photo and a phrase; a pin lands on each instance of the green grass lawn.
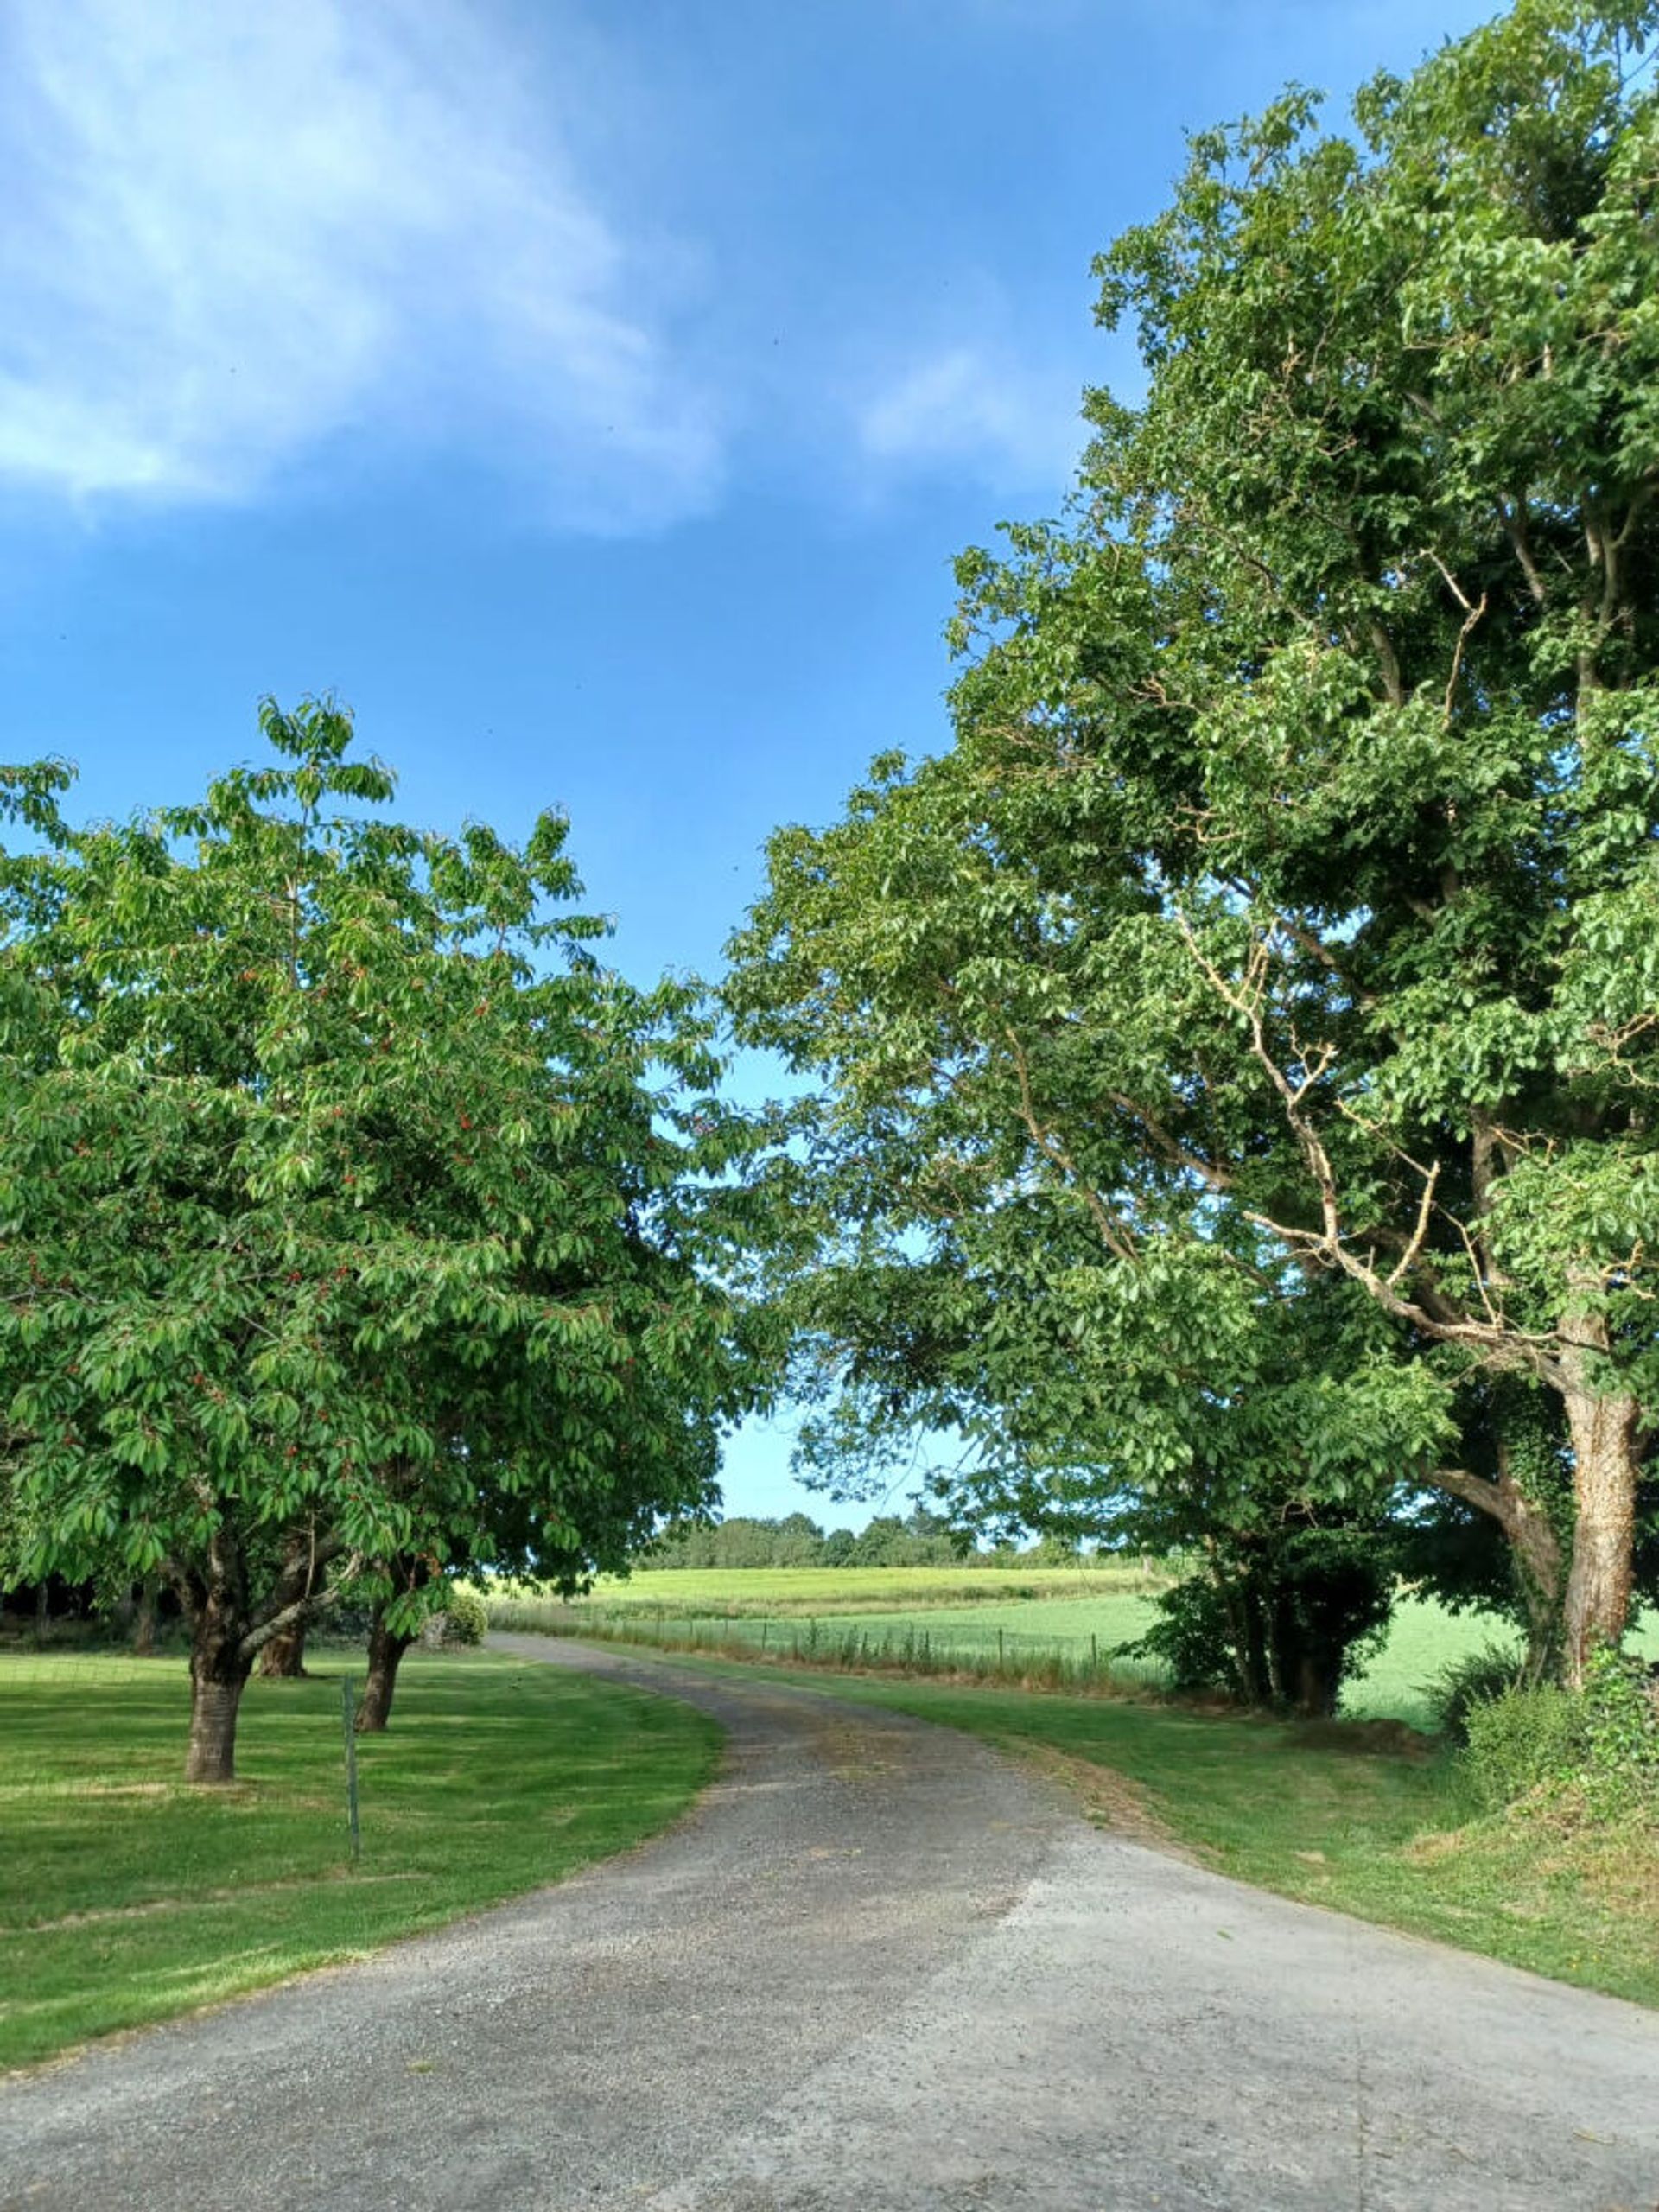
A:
(126, 1897)
(1325, 1816)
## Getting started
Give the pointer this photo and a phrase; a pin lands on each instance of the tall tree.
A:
(1288, 903)
(345, 1204)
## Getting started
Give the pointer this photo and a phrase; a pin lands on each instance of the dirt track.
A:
(879, 1968)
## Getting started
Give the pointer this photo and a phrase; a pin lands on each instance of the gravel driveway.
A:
(877, 1967)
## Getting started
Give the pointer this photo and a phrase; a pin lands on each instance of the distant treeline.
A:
(921, 1539)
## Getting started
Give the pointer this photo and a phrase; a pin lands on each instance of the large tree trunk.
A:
(386, 1651)
(283, 1659)
(219, 1666)
(1602, 1424)
(229, 1630)
(1607, 1467)
(215, 1700)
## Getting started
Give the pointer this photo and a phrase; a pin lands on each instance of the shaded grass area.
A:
(126, 1897)
(1330, 1815)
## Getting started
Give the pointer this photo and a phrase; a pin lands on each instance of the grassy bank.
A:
(1334, 1814)
(126, 1897)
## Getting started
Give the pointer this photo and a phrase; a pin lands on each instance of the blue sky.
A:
(594, 397)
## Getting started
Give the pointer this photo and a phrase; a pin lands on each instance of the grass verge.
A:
(1335, 1815)
(126, 1897)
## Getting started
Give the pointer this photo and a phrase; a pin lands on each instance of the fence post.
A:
(1094, 1652)
(349, 1716)
(999, 1651)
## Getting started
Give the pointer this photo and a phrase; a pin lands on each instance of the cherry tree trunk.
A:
(284, 1658)
(385, 1655)
(217, 1676)
(219, 1669)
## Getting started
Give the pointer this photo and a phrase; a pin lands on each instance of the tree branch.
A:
(1113, 1233)
(1503, 1344)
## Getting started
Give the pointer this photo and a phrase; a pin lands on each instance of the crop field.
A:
(1055, 1627)
(800, 1592)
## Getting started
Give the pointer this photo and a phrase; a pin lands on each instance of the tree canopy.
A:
(1239, 1046)
(349, 1208)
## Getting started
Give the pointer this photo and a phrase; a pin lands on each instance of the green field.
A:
(797, 1592)
(1060, 1624)
(126, 1897)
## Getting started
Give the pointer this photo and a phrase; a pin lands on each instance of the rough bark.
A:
(386, 1650)
(284, 1658)
(1607, 1467)
(220, 1665)
(1602, 1425)
(230, 1628)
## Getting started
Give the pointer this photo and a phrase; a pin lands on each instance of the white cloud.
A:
(979, 411)
(236, 231)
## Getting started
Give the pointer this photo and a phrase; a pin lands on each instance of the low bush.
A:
(1601, 1744)
(1522, 1739)
(1280, 1619)
(1476, 1679)
(464, 1619)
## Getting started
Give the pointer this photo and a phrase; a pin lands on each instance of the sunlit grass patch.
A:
(126, 1896)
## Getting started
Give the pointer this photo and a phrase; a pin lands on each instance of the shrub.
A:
(1280, 1618)
(1601, 1746)
(1476, 1678)
(1522, 1738)
(1191, 1637)
(465, 1618)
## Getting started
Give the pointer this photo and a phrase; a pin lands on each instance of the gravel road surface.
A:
(879, 1968)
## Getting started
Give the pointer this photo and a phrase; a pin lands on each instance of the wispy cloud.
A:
(237, 232)
(977, 410)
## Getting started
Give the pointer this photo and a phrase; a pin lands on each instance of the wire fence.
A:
(981, 1652)
(987, 1650)
(22, 1667)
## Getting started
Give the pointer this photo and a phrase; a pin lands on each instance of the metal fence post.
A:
(349, 1716)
